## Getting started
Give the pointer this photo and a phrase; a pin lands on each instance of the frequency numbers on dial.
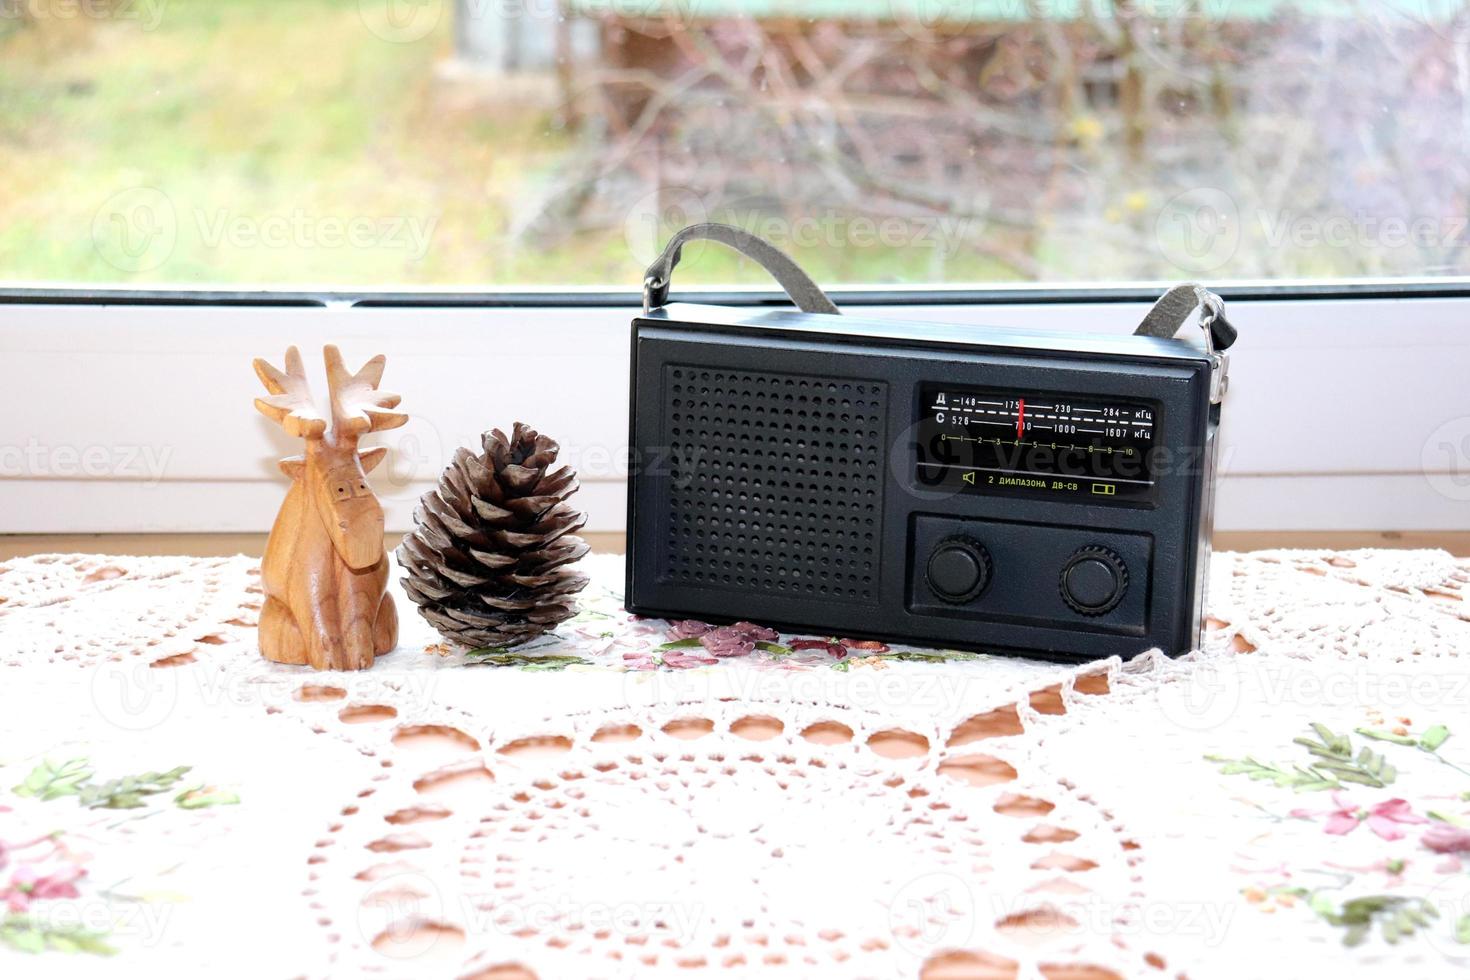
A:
(1042, 418)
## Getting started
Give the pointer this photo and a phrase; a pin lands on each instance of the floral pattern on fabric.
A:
(1401, 890)
(49, 825)
(605, 635)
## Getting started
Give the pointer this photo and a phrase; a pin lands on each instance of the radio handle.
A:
(1173, 308)
(805, 293)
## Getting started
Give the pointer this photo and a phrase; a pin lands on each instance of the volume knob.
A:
(958, 569)
(1094, 580)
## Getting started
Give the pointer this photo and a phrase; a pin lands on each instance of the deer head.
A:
(332, 471)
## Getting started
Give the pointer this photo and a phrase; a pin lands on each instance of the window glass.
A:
(391, 144)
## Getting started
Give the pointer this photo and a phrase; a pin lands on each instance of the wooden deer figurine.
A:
(325, 571)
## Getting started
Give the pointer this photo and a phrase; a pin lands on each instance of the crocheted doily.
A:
(836, 810)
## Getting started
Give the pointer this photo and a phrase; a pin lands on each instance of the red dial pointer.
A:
(1020, 418)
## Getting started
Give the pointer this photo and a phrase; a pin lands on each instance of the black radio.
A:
(990, 489)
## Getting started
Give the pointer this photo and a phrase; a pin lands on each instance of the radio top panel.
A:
(923, 334)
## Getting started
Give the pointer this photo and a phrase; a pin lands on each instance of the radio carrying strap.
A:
(1173, 309)
(1164, 320)
(805, 293)
(1171, 312)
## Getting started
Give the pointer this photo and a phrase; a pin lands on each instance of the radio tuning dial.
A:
(1094, 580)
(958, 570)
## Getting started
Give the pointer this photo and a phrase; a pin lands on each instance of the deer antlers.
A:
(358, 407)
(290, 403)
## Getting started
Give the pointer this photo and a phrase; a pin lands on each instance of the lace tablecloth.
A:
(617, 801)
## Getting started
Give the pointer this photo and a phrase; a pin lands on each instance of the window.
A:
(385, 144)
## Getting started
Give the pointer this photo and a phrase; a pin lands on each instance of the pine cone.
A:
(485, 558)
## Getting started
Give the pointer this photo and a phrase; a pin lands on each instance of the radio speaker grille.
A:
(777, 482)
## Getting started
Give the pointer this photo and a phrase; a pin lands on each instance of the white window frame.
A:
(130, 411)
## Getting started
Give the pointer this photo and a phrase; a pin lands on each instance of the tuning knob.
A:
(958, 569)
(1094, 580)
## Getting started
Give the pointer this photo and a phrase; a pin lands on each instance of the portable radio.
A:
(1048, 494)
